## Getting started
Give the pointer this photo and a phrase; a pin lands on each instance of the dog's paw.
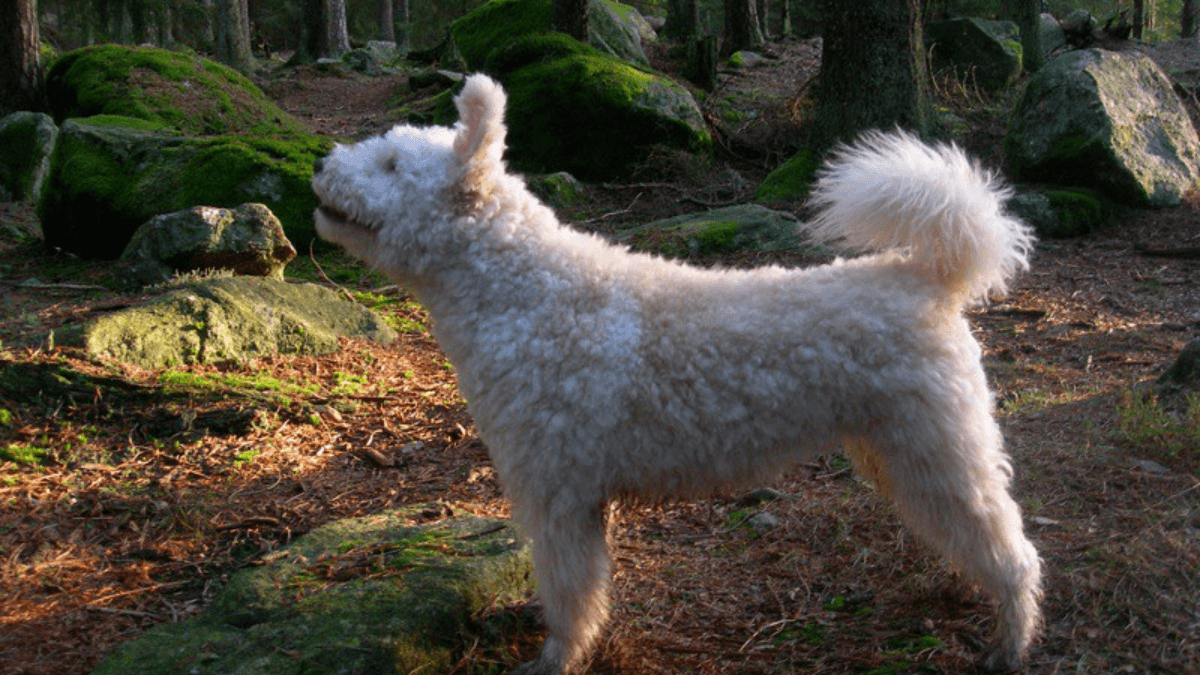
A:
(537, 668)
(999, 659)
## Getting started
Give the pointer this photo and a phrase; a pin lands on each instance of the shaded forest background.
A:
(275, 25)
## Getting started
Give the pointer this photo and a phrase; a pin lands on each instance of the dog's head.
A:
(391, 196)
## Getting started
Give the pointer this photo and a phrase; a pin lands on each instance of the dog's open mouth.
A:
(336, 215)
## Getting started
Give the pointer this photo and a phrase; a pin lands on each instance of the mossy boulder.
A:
(180, 91)
(733, 229)
(1108, 121)
(596, 117)
(1060, 214)
(560, 190)
(26, 143)
(108, 175)
(613, 28)
(1184, 371)
(246, 240)
(572, 106)
(379, 594)
(791, 181)
(227, 319)
(987, 53)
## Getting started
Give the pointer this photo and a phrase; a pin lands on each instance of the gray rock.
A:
(747, 227)
(26, 143)
(613, 28)
(618, 30)
(362, 596)
(988, 52)
(1058, 214)
(361, 60)
(1052, 35)
(1105, 120)
(1185, 370)
(110, 175)
(559, 190)
(219, 320)
(247, 240)
(760, 496)
(1151, 466)
(763, 522)
(1078, 26)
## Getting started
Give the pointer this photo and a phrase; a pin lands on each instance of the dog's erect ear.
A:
(480, 140)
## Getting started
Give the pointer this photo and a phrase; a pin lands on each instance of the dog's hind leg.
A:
(952, 489)
(572, 567)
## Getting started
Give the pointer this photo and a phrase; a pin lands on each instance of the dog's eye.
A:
(389, 164)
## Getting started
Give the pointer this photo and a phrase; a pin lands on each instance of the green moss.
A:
(717, 237)
(179, 91)
(26, 455)
(277, 171)
(137, 123)
(791, 181)
(25, 140)
(106, 181)
(1078, 212)
(615, 116)
(496, 24)
(530, 49)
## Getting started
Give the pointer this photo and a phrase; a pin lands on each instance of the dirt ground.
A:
(153, 487)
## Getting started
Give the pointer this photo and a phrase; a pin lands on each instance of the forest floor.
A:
(129, 496)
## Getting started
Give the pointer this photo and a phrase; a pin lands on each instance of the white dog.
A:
(596, 374)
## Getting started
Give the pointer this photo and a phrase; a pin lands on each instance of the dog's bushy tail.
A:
(890, 191)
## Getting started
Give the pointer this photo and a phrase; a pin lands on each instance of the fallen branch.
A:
(1187, 253)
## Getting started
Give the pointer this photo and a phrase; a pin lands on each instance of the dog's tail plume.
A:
(890, 191)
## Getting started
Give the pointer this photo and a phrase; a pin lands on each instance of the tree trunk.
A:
(1029, 20)
(741, 26)
(1187, 19)
(325, 29)
(873, 73)
(570, 17)
(20, 69)
(387, 23)
(233, 34)
(166, 24)
(1139, 18)
(404, 32)
(683, 20)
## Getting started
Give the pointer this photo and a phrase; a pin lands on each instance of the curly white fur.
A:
(595, 374)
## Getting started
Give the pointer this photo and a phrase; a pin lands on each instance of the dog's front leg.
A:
(571, 564)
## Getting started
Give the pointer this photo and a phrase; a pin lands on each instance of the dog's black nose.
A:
(318, 165)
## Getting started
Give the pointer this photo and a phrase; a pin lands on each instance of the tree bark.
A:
(1187, 19)
(404, 31)
(387, 23)
(741, 26)
(325, 28)
(570, 17)
(683, 19)
(232, 21)
(873, 72)
(20, 67)
(1029, 20)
